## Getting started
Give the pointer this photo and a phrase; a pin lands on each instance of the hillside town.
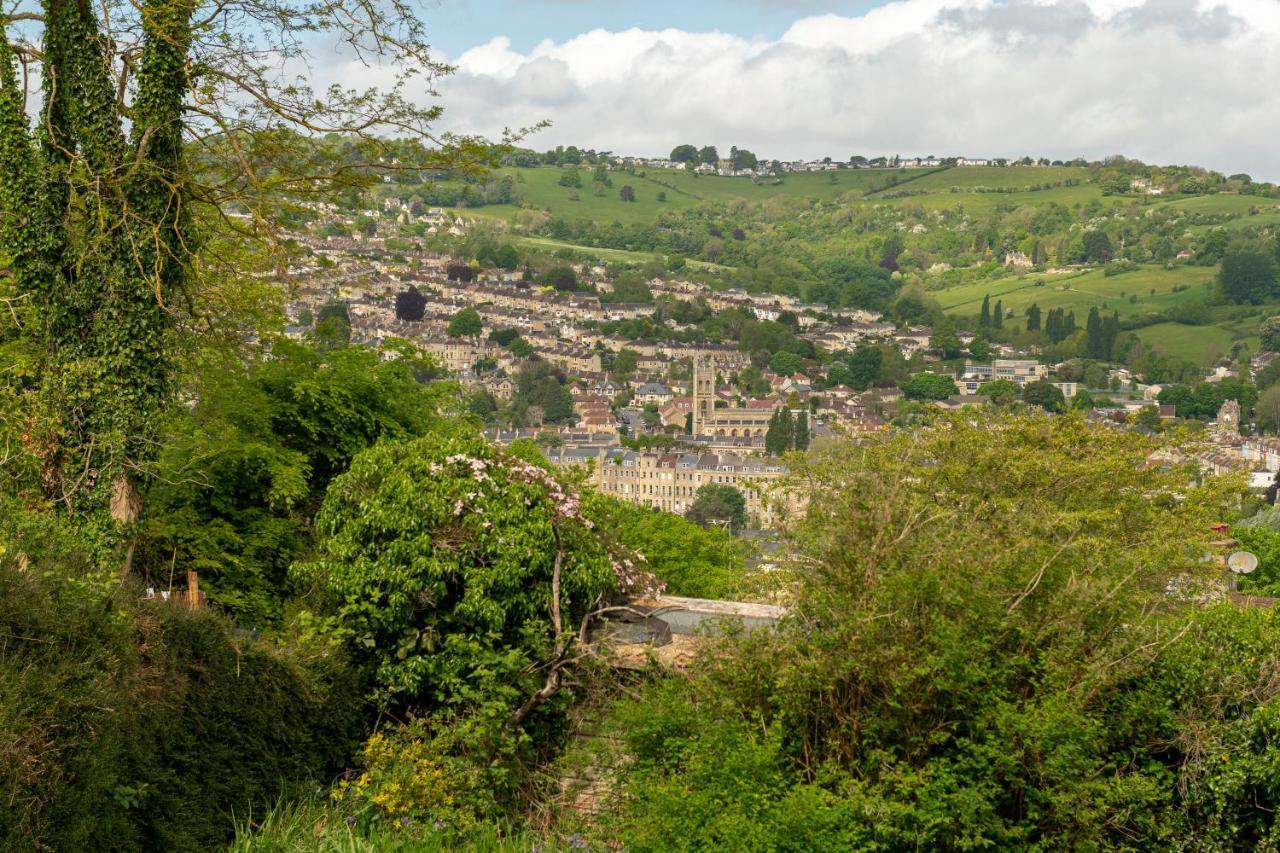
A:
(727, 168)
(402, 451)
(678, 415)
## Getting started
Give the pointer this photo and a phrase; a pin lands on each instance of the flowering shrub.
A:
(441, 554)
(413, 778)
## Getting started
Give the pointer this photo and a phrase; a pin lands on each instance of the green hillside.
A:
(540, 189)
(1155, 289)
(950, 226)
(1145, 291)
(1198, 344)
(977, 188)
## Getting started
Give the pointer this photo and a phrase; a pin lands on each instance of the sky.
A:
(1166, 81)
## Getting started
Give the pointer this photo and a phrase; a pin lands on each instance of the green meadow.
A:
(970, 179)
(1149, 289)
(546, 244)
(1146, 289)
(1199, 344)
(540, 189)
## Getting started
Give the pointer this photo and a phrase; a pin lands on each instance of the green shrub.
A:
(706, 778)
(690, 560)
(1118, 267)
(144, 727)
(1048, 695)
(433, 774)
(440, 554)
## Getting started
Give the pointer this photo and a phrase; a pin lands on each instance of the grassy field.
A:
(1249, 211)
(540, 189)
(1196, 343)
(822, 186)
(546, 244)
(1270, 218)
(935, 189)
(1143, 291)
(1012, 177)
(1236, 205)
(1153, 287)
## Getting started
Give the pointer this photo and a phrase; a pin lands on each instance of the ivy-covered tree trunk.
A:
(96, 227)
(152, 120)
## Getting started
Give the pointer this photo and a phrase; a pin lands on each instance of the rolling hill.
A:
(814, 212)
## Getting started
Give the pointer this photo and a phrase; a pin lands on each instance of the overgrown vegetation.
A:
(132, 726)
(1000, 630)
(984, 651)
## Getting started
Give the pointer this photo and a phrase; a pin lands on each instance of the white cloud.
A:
(1171, 81)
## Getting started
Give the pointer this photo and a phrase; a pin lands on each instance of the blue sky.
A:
(457, 25)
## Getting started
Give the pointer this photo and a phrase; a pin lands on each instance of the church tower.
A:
(704, 393)
(1229, 418)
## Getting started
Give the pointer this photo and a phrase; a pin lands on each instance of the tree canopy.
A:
(490, 566)
(718, 504)
(689, 559)
(984, 648)
(466, 323)
(249, 464)
(1248, 277)
(929, 386)
(410, 305)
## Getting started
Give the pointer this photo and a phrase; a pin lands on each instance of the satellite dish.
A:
(1242, 562)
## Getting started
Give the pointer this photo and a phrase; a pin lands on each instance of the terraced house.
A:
(670, 481)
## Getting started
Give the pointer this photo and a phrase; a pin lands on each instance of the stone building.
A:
(729, 422)
(670, 481)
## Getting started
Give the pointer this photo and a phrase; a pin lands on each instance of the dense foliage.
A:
(983, 648)
(688, 559)
(1248, 277)
(983, 653)
(462, 576)
(127, 726)
(718, 504)
(249, 464)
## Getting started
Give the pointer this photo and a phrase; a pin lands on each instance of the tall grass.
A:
(314, 826)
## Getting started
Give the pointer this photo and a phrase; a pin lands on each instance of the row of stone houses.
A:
(670, 481)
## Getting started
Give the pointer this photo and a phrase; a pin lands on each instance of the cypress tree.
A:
(1110, 331)
(1038, 254)
(802, 431)
(1093, 335)
(997, 316)
(984, 318)
(775, 441)
(1053, 325)
(1033, 318)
